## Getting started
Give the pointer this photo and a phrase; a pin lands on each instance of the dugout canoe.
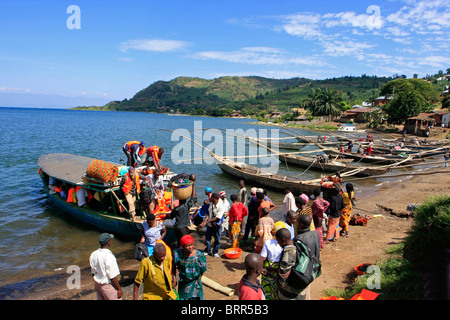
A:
(382, 160)
(263, 178)
(107, 215)
(342, 165)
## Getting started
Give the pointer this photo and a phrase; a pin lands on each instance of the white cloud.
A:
(259, 56)
(153, 45)
(5, 89)
(423, 16)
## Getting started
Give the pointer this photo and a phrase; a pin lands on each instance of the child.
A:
(287, 262)
(271, 253)
(291, 221)
(265, 228)
(151, 232)
(237, 213)
(249, 286)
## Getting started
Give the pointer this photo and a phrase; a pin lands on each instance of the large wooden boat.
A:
(376, 159)
(341, 165)
(108, 215)
(264, 178)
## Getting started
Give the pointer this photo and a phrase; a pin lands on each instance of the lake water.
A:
(36, 238)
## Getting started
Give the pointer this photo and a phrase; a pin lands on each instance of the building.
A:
(421, 123)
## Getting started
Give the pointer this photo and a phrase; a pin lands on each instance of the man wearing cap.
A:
(105, 270)
(134, 150)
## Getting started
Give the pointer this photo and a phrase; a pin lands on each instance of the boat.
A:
(264, 178)
(349, 127)
(333, 165)
(110, 215)
(378, 159)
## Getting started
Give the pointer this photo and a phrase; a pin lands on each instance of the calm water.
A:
(36, 239)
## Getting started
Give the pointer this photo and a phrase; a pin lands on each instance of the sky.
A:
(108, 50)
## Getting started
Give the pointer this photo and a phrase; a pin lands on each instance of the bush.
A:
(430, 231)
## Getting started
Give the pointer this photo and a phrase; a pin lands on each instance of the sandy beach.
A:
(387, 202)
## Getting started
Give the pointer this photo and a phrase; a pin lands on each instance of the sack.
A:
(141, 251)
(307, 268)
(102, 171)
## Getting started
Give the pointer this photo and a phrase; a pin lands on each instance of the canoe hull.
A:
(327, 167)
(274, 182)
(102, 221)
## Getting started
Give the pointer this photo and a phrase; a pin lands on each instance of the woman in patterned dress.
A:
(346, 212)
(190, 264)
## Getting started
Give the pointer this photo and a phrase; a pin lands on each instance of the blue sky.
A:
(123, 46)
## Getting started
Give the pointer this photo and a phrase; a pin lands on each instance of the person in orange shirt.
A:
(154, 155)
(134, 150)
(131, 187)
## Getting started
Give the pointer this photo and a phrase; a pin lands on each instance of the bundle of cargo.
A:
(102, 172)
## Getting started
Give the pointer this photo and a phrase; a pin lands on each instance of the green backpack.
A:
(307, 267)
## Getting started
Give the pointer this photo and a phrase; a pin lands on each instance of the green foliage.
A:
(407, 103)
(424, 88)
(430, 230)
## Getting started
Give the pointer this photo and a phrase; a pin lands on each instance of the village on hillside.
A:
(372, 115)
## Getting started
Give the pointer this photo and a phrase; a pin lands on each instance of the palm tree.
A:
(312, 101)
(330, 102)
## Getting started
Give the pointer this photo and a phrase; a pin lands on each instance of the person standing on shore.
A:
(288, 202)
(249, 287)
(213, 225)
(105, 270)
(346, 212)
(155, 273)
(336, 205)
(242, 194)
(446, 157)
(190, 264)
(318, 208)
(237, 213)
(253, 216)
(181, 216)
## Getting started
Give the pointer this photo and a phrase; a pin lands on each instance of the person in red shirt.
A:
(249, 287)
(236, 214)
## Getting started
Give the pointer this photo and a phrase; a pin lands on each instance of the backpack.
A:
(306, 269)
(141, 251)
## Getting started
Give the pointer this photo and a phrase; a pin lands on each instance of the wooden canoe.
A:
(385, 159)
(263, 178)
(342, 165)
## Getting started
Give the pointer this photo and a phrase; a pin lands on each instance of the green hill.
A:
(249, 95)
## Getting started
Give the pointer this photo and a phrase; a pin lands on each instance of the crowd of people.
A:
(243, 220)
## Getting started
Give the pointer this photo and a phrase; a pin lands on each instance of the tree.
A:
(422, 87)
(323, 102)
(329, 102)
(407, 103)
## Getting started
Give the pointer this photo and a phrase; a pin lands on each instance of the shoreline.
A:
(388, 201)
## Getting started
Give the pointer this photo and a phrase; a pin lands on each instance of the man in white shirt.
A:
(288, 202)
(105, 270)
(213, 226)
